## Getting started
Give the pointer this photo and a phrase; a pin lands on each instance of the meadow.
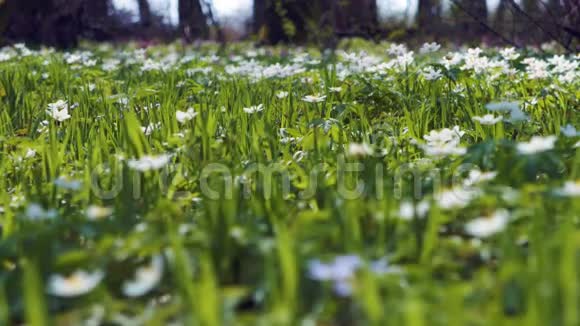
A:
(372, 185)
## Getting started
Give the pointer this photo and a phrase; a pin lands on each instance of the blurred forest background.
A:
(63, 23)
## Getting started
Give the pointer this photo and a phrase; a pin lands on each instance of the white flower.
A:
(148, 163)
(536, 145)
(445, 135)
(431, 73)
(282, 94)
(30, 153)
(571, 188)
(513, 108)
(342, 269)
(148, 130)
(509, 54)
(476, 176)
(150, 65)
(537, 68)
(335, 89)
(488, 119)
(430, 47)
(451, 59)
(78, 283)
(405, 59)
(95, 212)
(183, 117)
(146, 278)
(407, 210)
(58, 111)
(314, 98)
(36, 212)
(397, 49)
(254, 109)
(111, 64)
(66, 183)
(569, 131)
(455, 198)
(359, 150)
(483, 227)
(444, 142)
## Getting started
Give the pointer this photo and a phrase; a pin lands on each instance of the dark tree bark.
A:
(98, 9)
(145, 16)
(356, 17)
(501, 15)
(96, 19)
(315, 20)
(428, 15)
(470, 14)
(192, 20)
(259, 15)
(57, 23)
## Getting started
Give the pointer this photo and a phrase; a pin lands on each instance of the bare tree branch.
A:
(485, 25)
(538, 25)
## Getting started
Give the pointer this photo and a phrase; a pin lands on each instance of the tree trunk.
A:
(308, 20)
(145, 16)
(355, 17)
(501, 15)
(428, 15)
(95, 19)
(470, 16)
(192, 20)
(259, 16)
(98, 9)
(56, 23)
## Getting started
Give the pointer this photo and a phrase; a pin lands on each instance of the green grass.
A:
(246, 205)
